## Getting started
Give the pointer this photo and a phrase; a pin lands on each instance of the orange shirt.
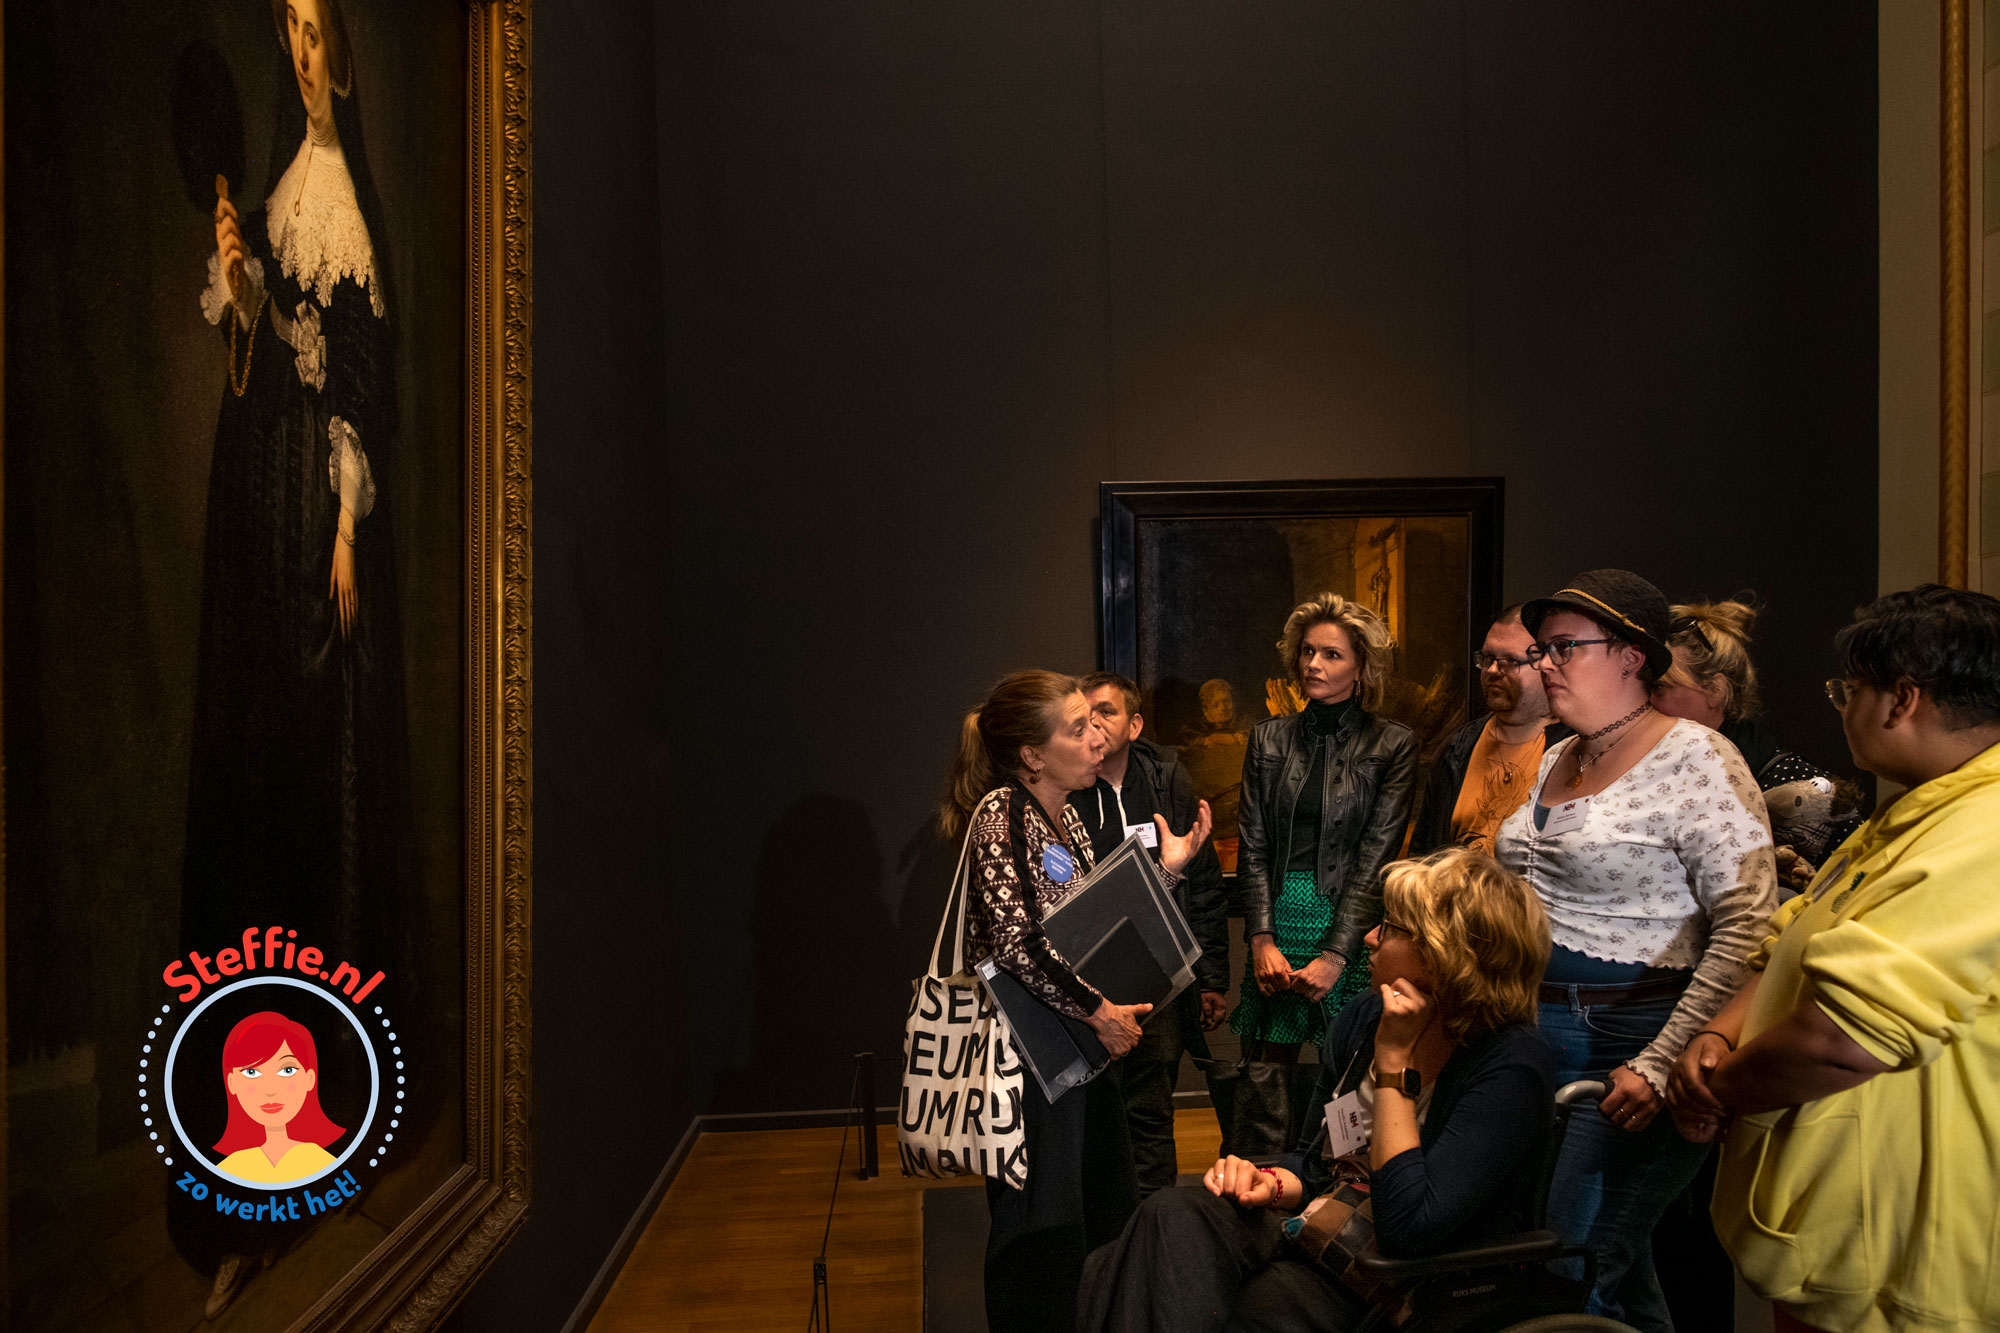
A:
(1498, 779)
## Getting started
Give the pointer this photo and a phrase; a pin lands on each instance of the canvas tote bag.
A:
(962, 1077)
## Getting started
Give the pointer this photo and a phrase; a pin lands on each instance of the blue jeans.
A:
(1611, 1186)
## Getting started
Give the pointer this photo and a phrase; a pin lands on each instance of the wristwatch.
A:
(1409, 1081)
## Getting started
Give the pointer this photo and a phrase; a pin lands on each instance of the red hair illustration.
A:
(252, 1042)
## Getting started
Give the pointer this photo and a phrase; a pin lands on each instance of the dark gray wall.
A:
(823, 402)
(612, 1079)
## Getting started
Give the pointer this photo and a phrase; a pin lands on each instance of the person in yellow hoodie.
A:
(1856, 1078)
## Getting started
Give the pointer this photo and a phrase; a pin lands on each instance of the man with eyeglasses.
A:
(1858, 1073)
(1487, 767)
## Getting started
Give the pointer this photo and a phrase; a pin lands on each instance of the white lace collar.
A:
(315, 225)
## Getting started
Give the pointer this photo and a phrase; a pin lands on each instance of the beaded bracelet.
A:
(1276, 1205)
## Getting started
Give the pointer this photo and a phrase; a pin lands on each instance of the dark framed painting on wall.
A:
(1196, 579)
(266, 676)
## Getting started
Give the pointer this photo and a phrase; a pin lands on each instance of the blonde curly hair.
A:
(1367, 633)
(1479, 930)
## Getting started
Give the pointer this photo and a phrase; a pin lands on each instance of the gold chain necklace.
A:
(1584, 758)
(240, 384)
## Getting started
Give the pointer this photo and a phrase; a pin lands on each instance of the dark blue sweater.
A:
(1474, 1171)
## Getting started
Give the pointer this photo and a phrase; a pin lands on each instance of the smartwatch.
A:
(1409, 1081)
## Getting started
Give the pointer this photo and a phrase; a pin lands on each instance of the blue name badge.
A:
(1058, 864)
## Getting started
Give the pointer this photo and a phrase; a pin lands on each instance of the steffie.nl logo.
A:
(270, 1080)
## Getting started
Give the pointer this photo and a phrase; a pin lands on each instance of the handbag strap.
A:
(954, 912)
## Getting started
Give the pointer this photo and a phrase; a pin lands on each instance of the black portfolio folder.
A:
(1061, 1052)
(1124, 934)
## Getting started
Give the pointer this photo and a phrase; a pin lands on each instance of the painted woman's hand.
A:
(340, 583)
(229, 245)
(1175, 852)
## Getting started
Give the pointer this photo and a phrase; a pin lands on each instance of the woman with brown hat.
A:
(1647, 840)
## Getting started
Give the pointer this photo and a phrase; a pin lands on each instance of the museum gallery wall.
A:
(267, 693)
(920, 279)
(930, 279)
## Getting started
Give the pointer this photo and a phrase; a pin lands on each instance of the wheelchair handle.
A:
(1583, 1090)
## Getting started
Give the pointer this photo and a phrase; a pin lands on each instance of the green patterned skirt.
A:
(1299, 920)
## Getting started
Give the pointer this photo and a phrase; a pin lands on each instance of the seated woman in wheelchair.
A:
(1444, 1106)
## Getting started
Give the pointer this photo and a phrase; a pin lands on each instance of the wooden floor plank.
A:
(730, 1249)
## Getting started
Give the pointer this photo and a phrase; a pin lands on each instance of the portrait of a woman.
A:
(277, 1132)
(296, 773)
(297, 797)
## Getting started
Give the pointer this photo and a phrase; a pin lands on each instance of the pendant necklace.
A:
(315, 138)
(1584, 758)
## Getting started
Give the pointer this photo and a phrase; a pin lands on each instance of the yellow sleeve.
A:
(1788, 911)
(1910, 973)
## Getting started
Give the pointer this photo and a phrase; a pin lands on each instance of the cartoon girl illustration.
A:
(277, 1132)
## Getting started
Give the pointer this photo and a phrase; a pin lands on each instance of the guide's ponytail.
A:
(1024, 709)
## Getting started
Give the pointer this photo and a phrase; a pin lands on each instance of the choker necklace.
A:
(1584, 758)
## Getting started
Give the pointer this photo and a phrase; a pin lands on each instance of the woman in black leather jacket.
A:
(1326, 797)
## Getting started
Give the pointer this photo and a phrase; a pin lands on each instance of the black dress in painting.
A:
(297, 781)
(296, 786)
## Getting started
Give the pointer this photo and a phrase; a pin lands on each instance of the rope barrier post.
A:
(865, 1079)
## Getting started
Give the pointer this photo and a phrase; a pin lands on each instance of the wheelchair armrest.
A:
(1528, 1247)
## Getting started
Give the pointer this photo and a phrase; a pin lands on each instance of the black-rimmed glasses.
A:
(1560, 650)
(1401, 929)
(1483, 661)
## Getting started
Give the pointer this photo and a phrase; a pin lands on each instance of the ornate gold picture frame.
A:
(108, 361)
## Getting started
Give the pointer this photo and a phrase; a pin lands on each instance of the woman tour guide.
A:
(1021, 754)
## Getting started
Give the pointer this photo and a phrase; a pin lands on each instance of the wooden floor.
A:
(732, 1244)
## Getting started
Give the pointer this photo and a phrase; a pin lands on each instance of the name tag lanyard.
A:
(1349, 1081)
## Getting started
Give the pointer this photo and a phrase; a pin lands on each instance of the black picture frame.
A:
(1173, 537)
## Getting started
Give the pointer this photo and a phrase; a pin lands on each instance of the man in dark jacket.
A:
(1140, 780)
(1487, 768)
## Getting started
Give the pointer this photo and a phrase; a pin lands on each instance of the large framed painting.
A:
(266, 641)
(1196, 579)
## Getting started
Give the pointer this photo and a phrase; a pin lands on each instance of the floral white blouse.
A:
(1671, 867)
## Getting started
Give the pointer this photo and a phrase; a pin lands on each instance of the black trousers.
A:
(1190, 1262)
(1080, 1193)
(1147, 1074)
(1694, 1269)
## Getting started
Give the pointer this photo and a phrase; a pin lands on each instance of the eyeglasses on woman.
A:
(1560, 650)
